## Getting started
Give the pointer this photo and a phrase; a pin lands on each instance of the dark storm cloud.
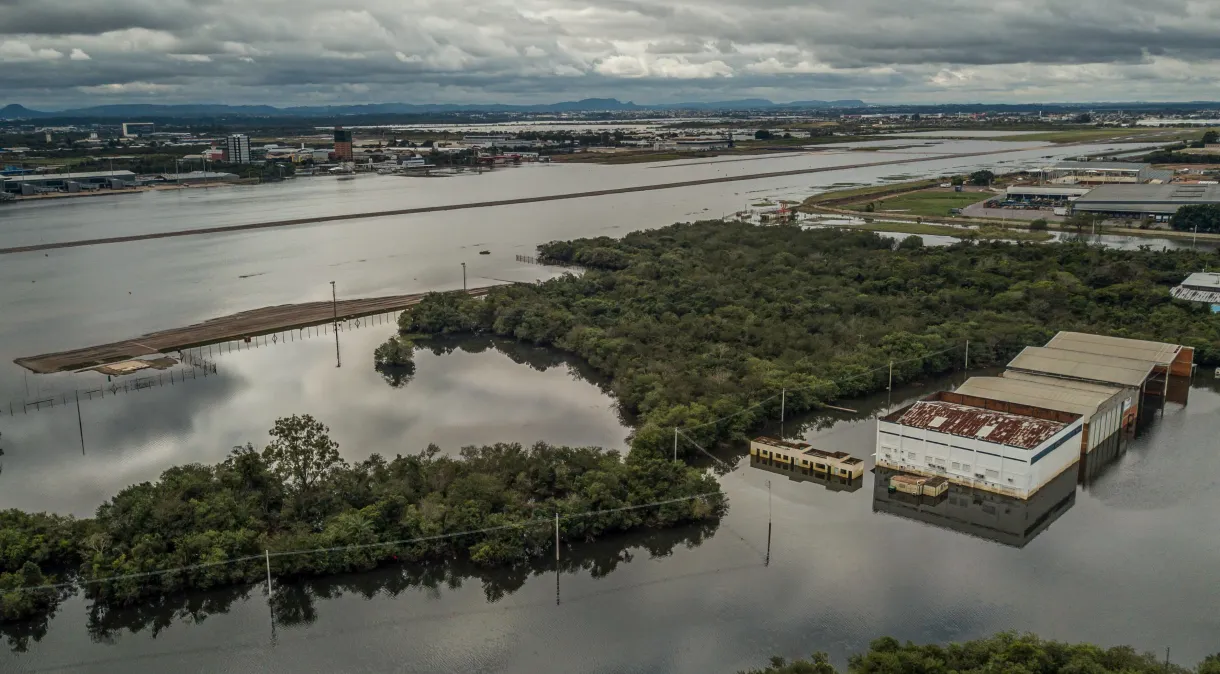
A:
(56, 17)
(65, 52)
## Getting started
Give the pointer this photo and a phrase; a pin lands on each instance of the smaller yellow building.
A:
(804, 455)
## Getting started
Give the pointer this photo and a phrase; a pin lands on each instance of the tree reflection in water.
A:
(296, 602)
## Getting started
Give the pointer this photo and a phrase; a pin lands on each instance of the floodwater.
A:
(1130, 559)
(1122, 549)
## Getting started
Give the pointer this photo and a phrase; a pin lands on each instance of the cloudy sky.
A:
(63, 53)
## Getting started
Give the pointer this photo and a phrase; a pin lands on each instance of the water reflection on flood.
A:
(464, 392)
(720, 598)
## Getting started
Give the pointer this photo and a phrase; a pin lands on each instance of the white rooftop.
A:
(1203, 281)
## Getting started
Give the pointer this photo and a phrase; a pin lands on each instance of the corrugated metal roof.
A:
(82, 175)
(1081, 365)
(1061, 383)
(1191, 295)
(1134, 167)
(1038, 190)
(1038, 394)
(964, 421)
(1138, 349)
(1175, 194)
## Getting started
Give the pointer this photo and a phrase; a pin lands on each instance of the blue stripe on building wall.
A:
(1055, 445)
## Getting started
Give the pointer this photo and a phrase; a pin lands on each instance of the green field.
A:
(863, 192)
(928, 203)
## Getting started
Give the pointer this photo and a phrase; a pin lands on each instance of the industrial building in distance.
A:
(1201, 287)
(1158, 202)
(1104, 173)
(1014, 434)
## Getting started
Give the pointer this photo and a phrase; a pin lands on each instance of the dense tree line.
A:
(1005, 652)
(696, 322)
(298, 494)
(1204, 217)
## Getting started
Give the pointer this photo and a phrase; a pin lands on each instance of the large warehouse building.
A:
(1013, 434)
(68, 182)
(1158, 202)
(1002, 452)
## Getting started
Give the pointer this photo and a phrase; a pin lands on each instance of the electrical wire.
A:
(363, 546)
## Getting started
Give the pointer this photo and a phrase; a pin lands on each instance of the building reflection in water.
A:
(1003, 519)
(798, 474)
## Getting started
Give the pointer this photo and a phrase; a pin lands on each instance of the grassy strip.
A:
(1094, 135)
(928, 203)
(859, 193)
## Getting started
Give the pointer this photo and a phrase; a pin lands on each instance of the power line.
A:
(422, 539)
(834, 382)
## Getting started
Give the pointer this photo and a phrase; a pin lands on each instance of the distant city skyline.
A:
(58, 54)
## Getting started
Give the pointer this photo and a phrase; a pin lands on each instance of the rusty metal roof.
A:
(999, 428)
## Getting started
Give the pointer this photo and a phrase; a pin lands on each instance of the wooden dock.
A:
(238, 326)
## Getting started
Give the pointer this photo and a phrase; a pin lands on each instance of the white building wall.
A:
(978, 462)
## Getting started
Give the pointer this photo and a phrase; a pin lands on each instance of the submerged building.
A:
(803, 455)
(1055, 404)
(1003, 452)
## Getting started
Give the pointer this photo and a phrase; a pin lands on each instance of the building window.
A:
(993, 474)
(957, 465)
(965, 468)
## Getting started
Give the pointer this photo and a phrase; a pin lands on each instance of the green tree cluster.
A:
(299, 494)
(982, 178)
(1205, 217)
(697, 322)
(1004, 652)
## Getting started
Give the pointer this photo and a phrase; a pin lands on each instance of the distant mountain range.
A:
(131, 112)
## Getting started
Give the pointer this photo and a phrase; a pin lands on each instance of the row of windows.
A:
(804, 462)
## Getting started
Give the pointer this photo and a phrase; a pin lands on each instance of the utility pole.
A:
(890, 386)
(675, 443)
(557, 539)
(334, 303)
(463, 276)
(783, 404)
(967, 354)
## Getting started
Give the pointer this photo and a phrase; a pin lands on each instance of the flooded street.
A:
(1132, 535)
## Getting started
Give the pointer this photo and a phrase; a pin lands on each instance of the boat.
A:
(347, 177)
(484, 252)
